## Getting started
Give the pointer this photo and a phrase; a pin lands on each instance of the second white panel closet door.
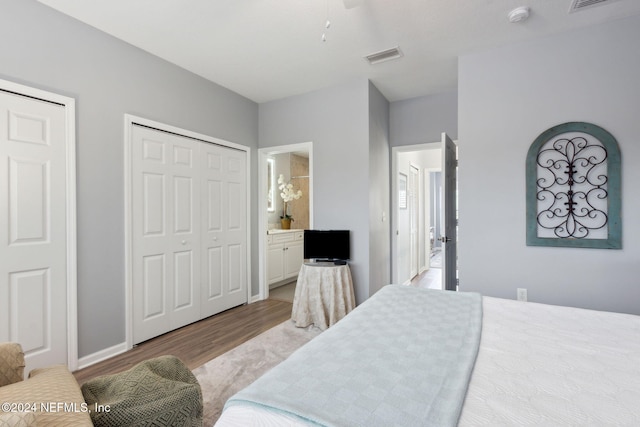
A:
(183, 246)
(224, 231)
(166, 226)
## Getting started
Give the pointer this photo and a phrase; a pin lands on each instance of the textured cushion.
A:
(156, 392)
(52, 384)
(17, 419)
(11, 363)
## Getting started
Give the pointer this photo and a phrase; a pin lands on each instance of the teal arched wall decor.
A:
(573, 188)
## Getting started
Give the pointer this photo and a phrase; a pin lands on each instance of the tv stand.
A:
(324, 294)
(326, 262)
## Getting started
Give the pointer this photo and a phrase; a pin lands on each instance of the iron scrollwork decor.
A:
(573, 188)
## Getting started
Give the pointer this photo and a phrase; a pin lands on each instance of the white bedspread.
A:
(537, 365)
(546, 365)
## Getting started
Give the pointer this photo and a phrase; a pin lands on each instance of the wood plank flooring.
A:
(199, 342)
(430, 279)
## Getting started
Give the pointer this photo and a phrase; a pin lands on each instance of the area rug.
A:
(229, 373)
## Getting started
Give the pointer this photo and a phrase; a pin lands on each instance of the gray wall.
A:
(423, 119)
(379, 211)
(509, 96)
(336, 120)
(108, 78)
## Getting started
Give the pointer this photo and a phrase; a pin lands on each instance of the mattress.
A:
(537, 365)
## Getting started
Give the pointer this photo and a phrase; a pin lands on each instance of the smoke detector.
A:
(518, 14)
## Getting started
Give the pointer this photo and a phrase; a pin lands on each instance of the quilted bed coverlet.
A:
(404, 357)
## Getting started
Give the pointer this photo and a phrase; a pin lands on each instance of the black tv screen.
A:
(327, 245)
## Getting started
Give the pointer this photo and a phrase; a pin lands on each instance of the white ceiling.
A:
(271, 49)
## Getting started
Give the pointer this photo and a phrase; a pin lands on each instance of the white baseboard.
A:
(255, 298)
(101, 355)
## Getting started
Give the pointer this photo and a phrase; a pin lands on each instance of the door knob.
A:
(444, 239)
(184, 242)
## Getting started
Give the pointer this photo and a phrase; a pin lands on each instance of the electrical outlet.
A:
(522, 294)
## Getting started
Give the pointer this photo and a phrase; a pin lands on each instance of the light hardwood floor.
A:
(199, 342)
(430, 279)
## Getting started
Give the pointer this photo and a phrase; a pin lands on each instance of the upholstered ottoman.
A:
(156, 392)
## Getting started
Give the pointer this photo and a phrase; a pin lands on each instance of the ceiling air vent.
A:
(577, 5)
(350, 4)
(384, 55)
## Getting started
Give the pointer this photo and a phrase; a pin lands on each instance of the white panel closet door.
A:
(33, 248)
(166, 232)
(189, 209)
(224, 238)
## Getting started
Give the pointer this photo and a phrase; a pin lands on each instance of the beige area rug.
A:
(225, 375)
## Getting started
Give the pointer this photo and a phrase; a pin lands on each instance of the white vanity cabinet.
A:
(285, 251)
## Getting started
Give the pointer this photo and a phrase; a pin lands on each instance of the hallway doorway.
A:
(415, 204)
(418, 221)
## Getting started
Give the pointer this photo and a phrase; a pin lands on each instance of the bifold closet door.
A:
(33, 228)
(189, 209)
(166, 232)
(224, 228)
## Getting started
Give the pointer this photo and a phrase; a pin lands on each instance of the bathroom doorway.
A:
(294, 165)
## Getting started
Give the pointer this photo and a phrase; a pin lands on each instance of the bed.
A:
(532, 364)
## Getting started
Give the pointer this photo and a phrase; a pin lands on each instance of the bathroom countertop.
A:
(278, 230)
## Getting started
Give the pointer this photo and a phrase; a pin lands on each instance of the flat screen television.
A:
(327, 245)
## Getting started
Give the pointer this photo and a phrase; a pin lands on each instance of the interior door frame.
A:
(263, 155)
(394, 200)
(129, 121)
(69, 105)
(416, 209)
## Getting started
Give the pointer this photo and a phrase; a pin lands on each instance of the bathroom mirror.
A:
(271, 185)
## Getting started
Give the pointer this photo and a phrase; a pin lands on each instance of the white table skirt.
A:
(324, 295)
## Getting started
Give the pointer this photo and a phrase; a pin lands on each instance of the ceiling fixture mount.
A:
(518, 14)
(327, 24)
(348, 4)
(384, 55)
